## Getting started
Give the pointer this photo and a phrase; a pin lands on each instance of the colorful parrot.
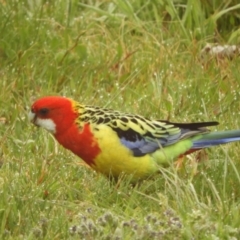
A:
(113, 143)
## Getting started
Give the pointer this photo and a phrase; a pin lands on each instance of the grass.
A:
(134, 56)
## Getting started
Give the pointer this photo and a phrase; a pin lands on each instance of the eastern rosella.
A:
(112, 142)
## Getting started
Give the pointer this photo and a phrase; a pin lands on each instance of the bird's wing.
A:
(142, 135)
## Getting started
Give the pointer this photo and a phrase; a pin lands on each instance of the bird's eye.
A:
(43, 111)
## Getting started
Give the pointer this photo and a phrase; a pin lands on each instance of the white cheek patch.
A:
(48, 124)
(31, 116)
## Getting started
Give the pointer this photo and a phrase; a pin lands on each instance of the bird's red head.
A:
(53, 113)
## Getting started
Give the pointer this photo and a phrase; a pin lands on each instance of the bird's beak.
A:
(32, 117)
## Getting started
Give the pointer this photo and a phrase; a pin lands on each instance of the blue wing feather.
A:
(141, 145)
(144, 144)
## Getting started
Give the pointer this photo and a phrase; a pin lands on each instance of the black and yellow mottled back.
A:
(139, 134)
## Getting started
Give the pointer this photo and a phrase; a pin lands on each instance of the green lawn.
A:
(134, 56)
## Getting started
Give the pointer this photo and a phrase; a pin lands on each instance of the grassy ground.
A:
(135, 57)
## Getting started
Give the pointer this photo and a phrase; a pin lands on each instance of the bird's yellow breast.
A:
(115, 158)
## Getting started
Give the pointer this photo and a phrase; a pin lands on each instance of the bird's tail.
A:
(216, 138)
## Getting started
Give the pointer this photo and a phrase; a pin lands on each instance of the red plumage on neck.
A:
(81, 142)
